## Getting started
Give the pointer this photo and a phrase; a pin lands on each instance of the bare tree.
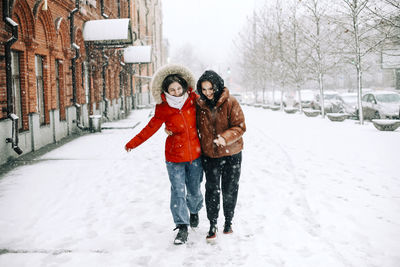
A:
(262, 50)
(247, 64)
(267, 53)
(361, 26)
(292, 46)
(296, 54)
(388, 12)
(321, 39)
(280, 66)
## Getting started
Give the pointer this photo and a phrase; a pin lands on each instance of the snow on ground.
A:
(312, 193)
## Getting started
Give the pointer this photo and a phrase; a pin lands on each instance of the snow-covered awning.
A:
(143, 77)
(108, 32)
(137, 54)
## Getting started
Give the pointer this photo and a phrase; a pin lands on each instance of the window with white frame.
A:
(58, 67)
(85, 80)
(40, 88)
(16, 87)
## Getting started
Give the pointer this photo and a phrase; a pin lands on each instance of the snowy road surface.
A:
(312, 193)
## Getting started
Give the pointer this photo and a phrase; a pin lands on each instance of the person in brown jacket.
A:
(221, 124)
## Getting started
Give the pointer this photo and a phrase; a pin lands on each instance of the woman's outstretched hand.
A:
(220, 141)
(128, 147)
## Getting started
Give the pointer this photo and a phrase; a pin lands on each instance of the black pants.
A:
(222, 172)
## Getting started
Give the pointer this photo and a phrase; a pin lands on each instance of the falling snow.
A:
(312, 193)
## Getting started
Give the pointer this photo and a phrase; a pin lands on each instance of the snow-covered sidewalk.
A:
(312, 193)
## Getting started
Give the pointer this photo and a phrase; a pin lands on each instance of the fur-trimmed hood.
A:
(163, 72)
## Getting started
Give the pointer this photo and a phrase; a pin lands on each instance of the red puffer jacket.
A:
(184, 144)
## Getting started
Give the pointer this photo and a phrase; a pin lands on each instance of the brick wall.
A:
(47, 33)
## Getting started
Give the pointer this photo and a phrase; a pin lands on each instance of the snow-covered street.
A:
(312, 193)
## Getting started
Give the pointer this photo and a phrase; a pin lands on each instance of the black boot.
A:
(182, 235)
(212, 233)
(228, 228)
(194, 220)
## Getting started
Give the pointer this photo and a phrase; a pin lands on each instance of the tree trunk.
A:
(359, 94)
(321, 94)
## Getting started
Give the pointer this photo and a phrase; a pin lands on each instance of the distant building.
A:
(62, 61)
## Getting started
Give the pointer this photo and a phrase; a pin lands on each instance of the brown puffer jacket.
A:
(225, 119)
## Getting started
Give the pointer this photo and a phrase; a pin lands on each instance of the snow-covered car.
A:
(349, 103)
(332, 102)
(381, 105)
(307, 97)
(289, 99)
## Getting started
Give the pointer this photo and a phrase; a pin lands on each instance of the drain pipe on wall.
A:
(14, 137)
(102, 9)
(104, 68)
(74, 98)
(8, 44)
(10, 106)
(73, 69)
(132, 71)
(73, 65)
(75, 47)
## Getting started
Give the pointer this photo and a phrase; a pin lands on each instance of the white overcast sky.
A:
(209, 25)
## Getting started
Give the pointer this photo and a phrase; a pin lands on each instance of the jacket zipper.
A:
(188, 135)
(214, 121)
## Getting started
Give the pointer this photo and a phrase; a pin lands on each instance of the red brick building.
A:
(53, 79)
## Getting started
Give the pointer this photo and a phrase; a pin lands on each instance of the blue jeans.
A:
(185, 176)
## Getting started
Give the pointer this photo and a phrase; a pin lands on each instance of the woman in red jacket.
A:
(172, 89)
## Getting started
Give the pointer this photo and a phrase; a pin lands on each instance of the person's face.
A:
(207, 89)
(175, 89)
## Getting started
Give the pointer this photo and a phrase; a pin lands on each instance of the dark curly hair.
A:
(217, 83)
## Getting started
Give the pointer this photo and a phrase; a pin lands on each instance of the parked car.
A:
(332, 102)
(307, 97)
(381, 105)
(349, 103)
(291, 98)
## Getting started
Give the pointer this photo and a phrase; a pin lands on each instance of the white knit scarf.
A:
(176, 101)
